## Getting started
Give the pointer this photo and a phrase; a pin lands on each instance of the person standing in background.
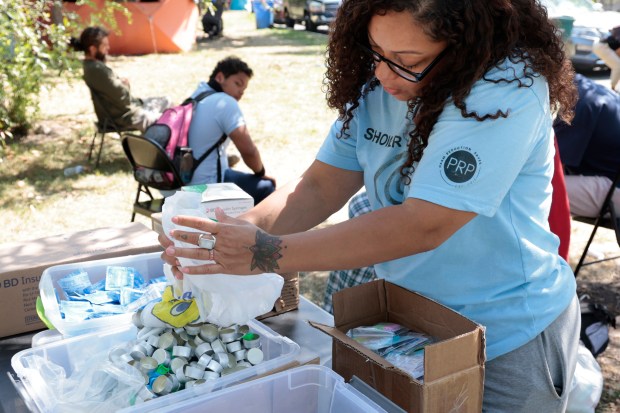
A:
(212, 22)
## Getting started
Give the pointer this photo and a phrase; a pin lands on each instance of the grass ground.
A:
(287, 117)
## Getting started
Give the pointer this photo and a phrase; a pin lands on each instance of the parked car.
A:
(590, 24)
(312, 13)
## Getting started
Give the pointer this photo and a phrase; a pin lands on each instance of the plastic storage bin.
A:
(305, 389)
(565, 24)
(264, 15)
(73, 354)
(149, 265)
(238, 4)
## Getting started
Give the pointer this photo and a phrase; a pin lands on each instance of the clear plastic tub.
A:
(73, 354)
(305, 389)
(149, 265)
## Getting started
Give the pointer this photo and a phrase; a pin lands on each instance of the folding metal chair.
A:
(606, 218)
(152, 168)
(103, 126)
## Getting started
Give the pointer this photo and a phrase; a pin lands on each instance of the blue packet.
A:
(151, 293)
(118, 277)
(157, 280)
(75, 310)
(115, 296)
(138, 279)
(105, 310)
(102, 297)
(74, 284)
(98, 286)
(129, 295)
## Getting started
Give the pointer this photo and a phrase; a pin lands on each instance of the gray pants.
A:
(537, 376)
(150, 111)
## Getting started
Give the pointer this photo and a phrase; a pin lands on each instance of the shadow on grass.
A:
(35, 168)
(607, 293)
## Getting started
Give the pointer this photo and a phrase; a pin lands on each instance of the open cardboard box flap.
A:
(348, 341)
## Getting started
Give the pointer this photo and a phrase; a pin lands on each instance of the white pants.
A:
(611, 59)
(587, 193)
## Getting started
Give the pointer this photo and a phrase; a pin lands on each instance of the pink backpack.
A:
(171, 132)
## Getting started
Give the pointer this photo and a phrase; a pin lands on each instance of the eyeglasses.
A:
(414, 77)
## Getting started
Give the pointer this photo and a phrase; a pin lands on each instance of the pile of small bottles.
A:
(172, 359)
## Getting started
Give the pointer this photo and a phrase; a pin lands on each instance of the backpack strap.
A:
(198, 161)
(207, 153)
(198, 98)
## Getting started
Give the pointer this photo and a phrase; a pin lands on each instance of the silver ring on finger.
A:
(212, 255)
(206, 241)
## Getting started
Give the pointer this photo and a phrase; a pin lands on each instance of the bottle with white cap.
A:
(74, 170)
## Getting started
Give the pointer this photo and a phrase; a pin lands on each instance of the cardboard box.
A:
(453, 366)
(289, 297)
(21, 266)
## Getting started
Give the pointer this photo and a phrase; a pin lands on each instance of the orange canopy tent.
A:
(163, 26)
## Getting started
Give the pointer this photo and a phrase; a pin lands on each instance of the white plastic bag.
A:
(222, 299)
(96, 386)
(587, 384)
(182, 203)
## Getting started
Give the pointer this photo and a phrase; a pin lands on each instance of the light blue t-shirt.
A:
(502, 269)
(213, 116)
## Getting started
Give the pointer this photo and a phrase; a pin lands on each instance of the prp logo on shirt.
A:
(459, 166)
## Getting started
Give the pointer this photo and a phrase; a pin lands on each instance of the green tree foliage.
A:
(34, 49)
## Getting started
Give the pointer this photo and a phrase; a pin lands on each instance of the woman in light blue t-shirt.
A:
(445, 111)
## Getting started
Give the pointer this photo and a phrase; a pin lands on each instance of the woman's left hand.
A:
(234, 251)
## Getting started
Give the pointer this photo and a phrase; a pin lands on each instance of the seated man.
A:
(126, 111)
(219, 114)
(590, 148)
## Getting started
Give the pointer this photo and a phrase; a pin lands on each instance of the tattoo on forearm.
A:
(266, 252)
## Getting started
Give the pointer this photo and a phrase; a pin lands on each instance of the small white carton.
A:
(226, 195)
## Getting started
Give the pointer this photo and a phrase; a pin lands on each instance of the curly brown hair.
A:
(480, 35)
